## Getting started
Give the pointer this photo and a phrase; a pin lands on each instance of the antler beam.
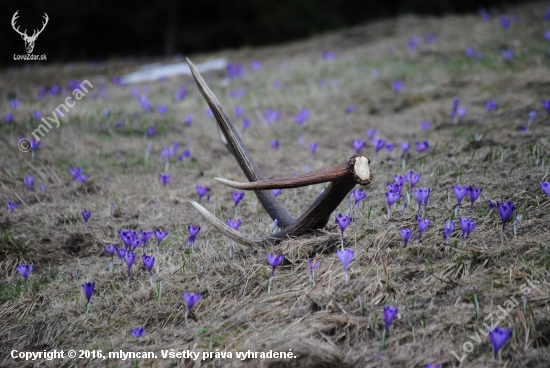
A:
(342, 177)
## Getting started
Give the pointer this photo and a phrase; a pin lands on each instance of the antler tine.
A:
(226, 230)
(13, 19)
(43, 25)
(233, 143)
(315, 177)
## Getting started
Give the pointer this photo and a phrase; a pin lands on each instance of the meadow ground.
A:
(330, 323)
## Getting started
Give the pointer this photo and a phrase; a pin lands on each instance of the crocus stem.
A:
(128, 281)
(342, 239)
(148, 151)
(477, 305)
(111, 263)
(166, 166)
(409, 197)
(346, 276)
(87, 307)
(502, 235)
(230, 249)
(151, 277)
(384, 339)
(389, 213)
(269, 284)
(403, 164)
(186, 318)
(158, 248)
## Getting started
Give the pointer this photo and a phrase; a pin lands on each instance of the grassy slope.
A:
(322, 324)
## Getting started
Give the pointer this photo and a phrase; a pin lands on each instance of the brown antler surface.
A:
(342, 177)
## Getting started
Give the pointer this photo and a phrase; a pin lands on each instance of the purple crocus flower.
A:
(371, 133)
(456, 102)
(546, 105)
(14, 103)
(394, 187)
(190, 300)
(390, 147)
(188, 119)
(430, 37)
(505, 21)
(425, 125)
(546, 187)
(129, 258)
(246, 124)
(86, 215)
(145, 236)
(490, 105)
(358, 145)
(137, 332)
(467, 225)
(151, 131)
(37, 115)
(349, 109)
(378, 145)
(274, 144)
(422, 225)
(149, 262)
(194, 230)
(505, 210)
(12, 206)
(470, 52)
(111, 249)
(413, 178)
(8, 118)
(422, 146)
(234, 223)
(301, 117)
(473, 193)
(202, 190)
(449, 227)
(276, 192)
(392, 197)
(484, 14)
(276, 84)
(180, 93)
(313, 264)
(547, 34)
(160, 234)
(345, 255)
(313, 147)
(271, 116)
(88, 287)
(405, 147)
(400, 179)
(343, 221)
(422, 196)
(274, 261)
(121, 252)
(460, 193)
(499, 337)
(25, 270)
(255, 65)
(397, 85)
(186, 153)
(35, 144)
(507, 54)
(239, 110)
(432, 365)
(389, 315)
(359, 195)
(164, 179)
(237, 197)
(145, 104)
(406, 234)
(29, 182)
(329, 55)
(234, 71)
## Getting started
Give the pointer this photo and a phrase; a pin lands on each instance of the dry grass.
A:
(324, 324)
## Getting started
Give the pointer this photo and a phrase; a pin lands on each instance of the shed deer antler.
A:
(342, 177)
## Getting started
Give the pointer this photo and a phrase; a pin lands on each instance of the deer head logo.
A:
(29, 40)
